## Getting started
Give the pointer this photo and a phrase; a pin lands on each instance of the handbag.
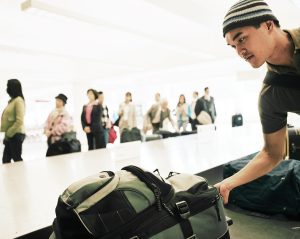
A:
(68, 136)
(204, 118)
(112, 135)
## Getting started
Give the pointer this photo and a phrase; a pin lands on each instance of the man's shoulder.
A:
(295, 34)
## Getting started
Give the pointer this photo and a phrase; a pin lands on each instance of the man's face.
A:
(251, 44)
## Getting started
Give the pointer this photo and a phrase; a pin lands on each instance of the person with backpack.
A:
(253, 31)
(12, 122)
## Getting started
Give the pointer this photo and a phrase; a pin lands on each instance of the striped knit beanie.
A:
(247, 13)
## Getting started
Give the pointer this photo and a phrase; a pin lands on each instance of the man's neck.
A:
(283, 51)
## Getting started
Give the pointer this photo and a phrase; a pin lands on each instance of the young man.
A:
(254, 32)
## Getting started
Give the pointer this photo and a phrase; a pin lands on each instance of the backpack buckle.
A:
(184, 211)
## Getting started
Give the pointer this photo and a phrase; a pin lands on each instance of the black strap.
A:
(187, 229)
(282, 80)
(150, 180)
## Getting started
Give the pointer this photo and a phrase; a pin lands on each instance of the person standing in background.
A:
(193, 118)
(106, 124)
(59, 121)
(12, 122)
(152, 117)
(127, 114)
(91, 121)
(182, 113)
(166, 115)
(209, 104)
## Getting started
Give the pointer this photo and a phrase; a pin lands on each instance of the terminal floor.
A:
(247, 225)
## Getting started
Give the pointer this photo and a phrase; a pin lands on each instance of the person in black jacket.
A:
(91, 121)
(205, 103)
(209, 104)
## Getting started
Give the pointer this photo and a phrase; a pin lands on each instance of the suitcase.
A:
(131, 135)
(167, 134)
(188, 132)
(152, 137)
(237, 120)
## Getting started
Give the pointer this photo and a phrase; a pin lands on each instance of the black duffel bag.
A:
(130, 135)
(67, 144)
(278, 192)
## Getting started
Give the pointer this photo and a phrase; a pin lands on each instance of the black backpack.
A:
(136, 204)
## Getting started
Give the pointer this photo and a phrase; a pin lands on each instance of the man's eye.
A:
(242, 39)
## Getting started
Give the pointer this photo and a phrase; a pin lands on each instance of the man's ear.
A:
(269, 25)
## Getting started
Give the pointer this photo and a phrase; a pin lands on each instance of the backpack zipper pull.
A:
(168, 209)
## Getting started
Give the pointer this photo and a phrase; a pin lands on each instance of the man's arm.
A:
(270, 156)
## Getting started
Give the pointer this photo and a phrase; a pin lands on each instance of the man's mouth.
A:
(248, 58)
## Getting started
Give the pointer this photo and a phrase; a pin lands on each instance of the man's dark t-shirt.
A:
(275, 101)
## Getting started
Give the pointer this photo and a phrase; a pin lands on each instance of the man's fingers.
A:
(224, 191)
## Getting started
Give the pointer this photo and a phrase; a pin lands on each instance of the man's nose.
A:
(241, 51)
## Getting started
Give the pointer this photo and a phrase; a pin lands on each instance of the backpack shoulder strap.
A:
(282, 80)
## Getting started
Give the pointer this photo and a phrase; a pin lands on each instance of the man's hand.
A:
(224, 190)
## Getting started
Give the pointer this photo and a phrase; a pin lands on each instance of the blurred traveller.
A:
(59, 121)
(91, 121)
(12, 122)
